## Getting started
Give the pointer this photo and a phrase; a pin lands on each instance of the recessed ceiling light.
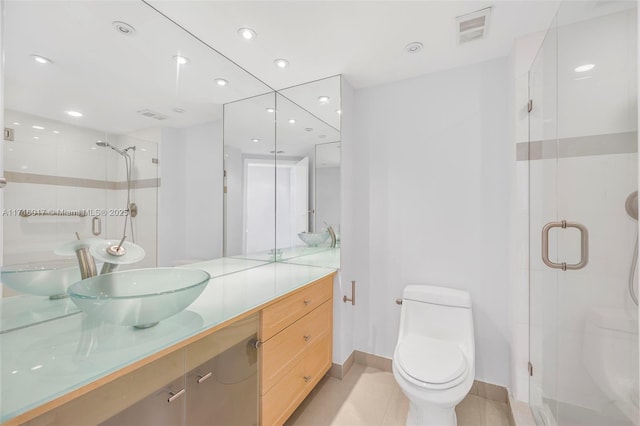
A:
(255, 140)
(247, 33)
(93, 147)
(36, 137)
(41, 59)
(292, 121)
(584, 68)
(15, 123)
(324, 100)
(56, 131)
(181, 60)
(74, 113)
(37, 127)
(178, 110)
(271, 110)
(123, 28)
(309, 129)
(281, 63)
(338, 111)
(221, 82)
(414, 47)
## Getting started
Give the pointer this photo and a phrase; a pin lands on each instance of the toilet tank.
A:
(438, 312)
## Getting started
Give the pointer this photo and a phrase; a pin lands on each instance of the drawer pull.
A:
(202, 378)
(175, 395)
(307, 378)
(306, 302)
(307, 337)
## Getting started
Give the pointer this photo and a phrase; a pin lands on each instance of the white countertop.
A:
(43, 362)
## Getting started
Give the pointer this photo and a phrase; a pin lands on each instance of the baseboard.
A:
(340, 370)
(520, 413)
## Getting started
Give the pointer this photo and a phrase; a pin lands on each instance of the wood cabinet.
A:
(296, 334)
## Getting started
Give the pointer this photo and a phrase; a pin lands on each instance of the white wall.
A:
(431, 168)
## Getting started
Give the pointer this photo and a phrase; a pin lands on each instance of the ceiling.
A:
(364, 40)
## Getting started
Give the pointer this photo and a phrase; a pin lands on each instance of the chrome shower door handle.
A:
(584, 245)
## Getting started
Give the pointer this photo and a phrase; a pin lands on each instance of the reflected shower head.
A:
(104, 144)
(631, 205)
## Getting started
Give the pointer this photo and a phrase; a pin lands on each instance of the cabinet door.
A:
(223, 388)
(164, 407)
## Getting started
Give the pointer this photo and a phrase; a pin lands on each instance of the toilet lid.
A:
(430, 360)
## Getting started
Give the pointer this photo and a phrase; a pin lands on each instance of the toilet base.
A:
(430, 415)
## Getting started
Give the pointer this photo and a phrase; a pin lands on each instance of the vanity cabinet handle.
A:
(175, 395)
(202, 378)
(307, 337)
(307, 378)
(306, 302)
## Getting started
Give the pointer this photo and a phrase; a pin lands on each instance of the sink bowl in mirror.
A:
(140, 297)
(48, 278)
(312, 239)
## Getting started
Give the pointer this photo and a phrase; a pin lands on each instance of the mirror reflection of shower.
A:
(631, 206)
(131, 208)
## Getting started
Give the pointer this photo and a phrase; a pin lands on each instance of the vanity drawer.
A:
(285, 349)
(285, 396)
(276, 317)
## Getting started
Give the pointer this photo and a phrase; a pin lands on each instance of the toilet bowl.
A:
(611, 356)
(434, 359)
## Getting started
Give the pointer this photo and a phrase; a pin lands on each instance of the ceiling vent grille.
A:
(152, 114)
(473, 26)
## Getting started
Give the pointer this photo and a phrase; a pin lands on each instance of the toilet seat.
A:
(431, 363)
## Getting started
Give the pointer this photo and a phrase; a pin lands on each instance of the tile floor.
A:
(368, 396)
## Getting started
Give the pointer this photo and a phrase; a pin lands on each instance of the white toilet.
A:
(434, 360)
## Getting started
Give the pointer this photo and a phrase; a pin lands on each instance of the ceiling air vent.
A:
(473, 26)
(152, 114)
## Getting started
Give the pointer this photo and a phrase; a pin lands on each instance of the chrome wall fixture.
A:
(351, 299)
(584, 245)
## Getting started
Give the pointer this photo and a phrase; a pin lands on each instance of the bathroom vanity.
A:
(247, 351)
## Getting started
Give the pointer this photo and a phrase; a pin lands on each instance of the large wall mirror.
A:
(282, 171)
(122, 124)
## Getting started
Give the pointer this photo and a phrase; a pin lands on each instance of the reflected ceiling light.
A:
(37, 127)
(41, 59)
(15, 123)
(143, 149)
(276, 152)
(123, 28)
(281, 63)
(292, 121)
(56, 131)
(36, 137)
(271, 110)
(247, 33)
(93, 147)
(181, 60)
(255, 140)
(324, 100)
(221, 82)
(413, 47)
(586, 77)
(584, 68)
(308, 129)
(178, 110)
(73, 113)
(322, 136)
(338, 111)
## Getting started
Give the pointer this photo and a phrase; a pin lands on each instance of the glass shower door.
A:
(583, 168)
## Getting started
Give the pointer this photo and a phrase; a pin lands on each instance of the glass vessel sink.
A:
(312, 239)
(140, 297)
(49, 278)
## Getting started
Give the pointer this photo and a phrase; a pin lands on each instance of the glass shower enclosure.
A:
(583, 181)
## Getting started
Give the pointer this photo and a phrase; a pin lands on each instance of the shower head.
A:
(104, 144)
(631, 205)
